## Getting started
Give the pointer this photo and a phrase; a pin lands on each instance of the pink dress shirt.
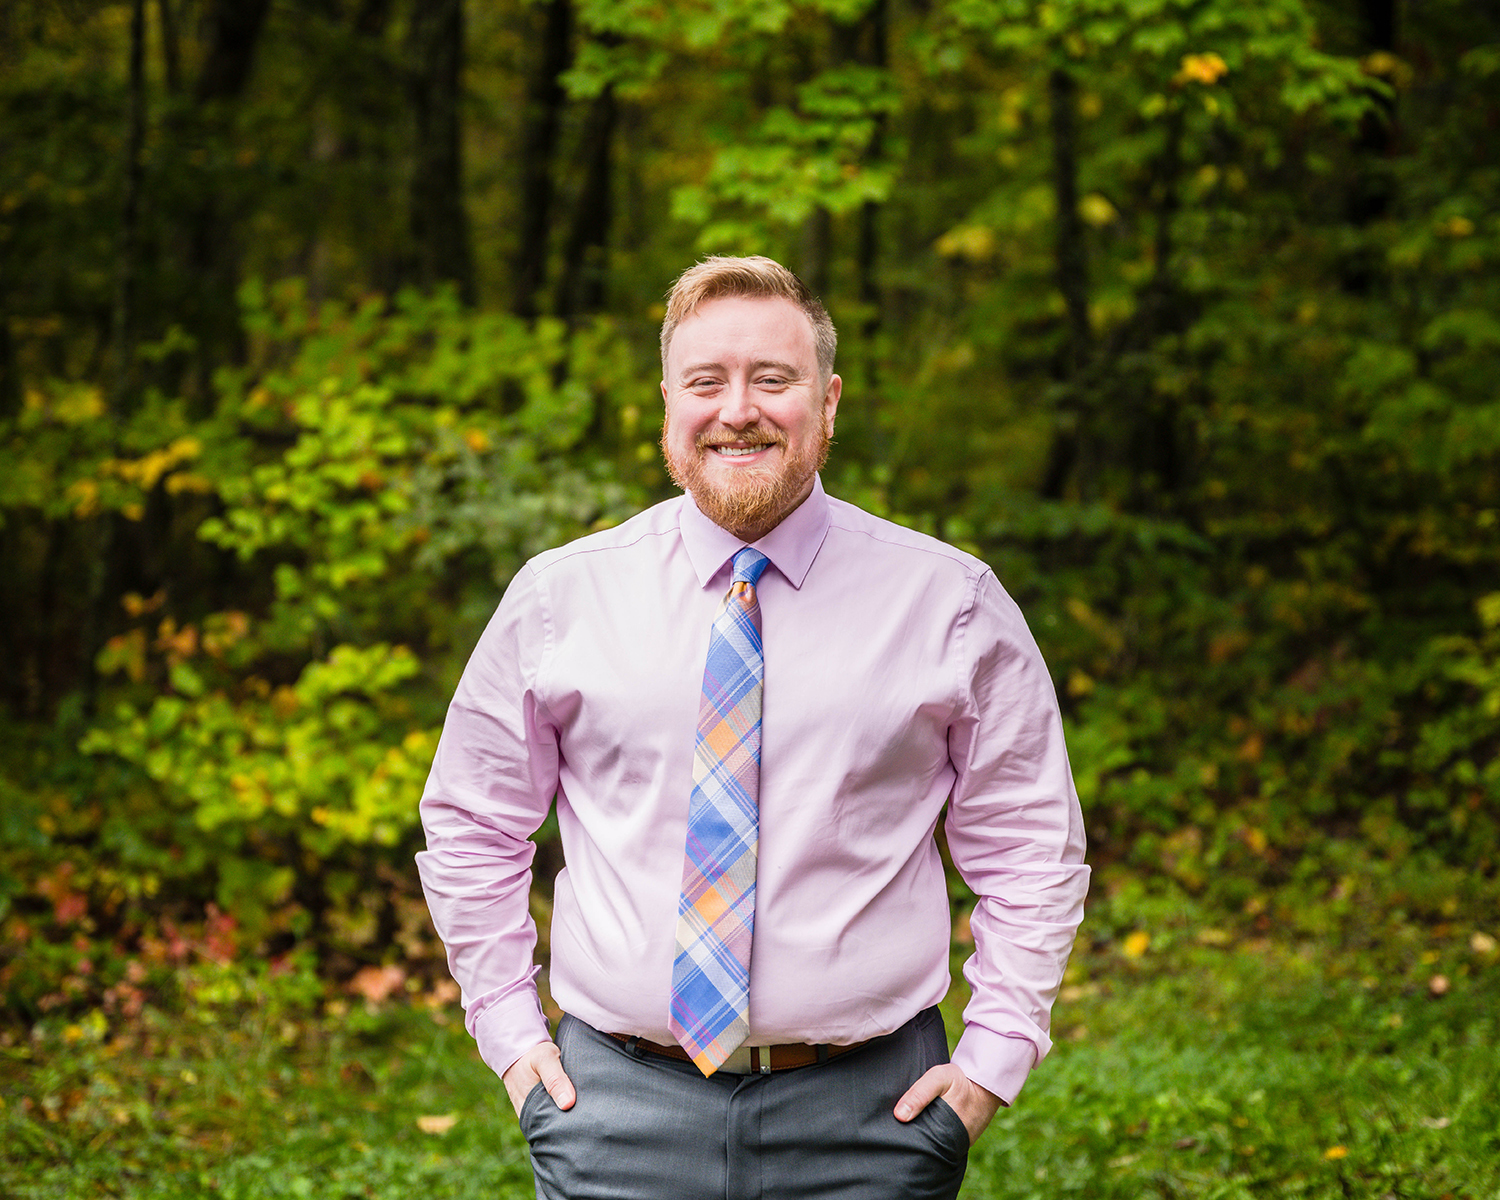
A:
(899, 676)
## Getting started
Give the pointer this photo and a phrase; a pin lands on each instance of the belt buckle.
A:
(739, 1062)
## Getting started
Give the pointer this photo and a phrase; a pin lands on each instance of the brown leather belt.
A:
(762, 1059)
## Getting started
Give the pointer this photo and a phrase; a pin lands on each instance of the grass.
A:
(1219, 1073)
(325, 1108)
(1259, 1076)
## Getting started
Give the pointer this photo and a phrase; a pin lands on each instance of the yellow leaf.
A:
(1200, 68)
(1336, 1152)
(85, 496)
(1096, 210)
(1385, 65)
(974, 242)
(437, 1124)
(186, 481)
(1136, 944)
(135, 604)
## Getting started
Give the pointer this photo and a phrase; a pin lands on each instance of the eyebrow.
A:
(764, 364)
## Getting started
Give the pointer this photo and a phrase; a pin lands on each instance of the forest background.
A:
(318, 317)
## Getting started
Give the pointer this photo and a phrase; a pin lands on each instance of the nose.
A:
(737, 407)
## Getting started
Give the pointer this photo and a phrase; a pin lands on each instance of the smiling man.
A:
(750, 404)
(751, 705)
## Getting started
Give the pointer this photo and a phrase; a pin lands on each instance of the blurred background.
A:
(318, 317)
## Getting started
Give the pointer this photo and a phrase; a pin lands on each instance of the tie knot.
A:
(749, 565)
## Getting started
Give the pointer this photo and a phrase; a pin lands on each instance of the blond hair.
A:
(755, 277)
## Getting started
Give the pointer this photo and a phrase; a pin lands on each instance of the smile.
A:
(738, 451)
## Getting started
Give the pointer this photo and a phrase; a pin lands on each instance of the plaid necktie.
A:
(716, 912)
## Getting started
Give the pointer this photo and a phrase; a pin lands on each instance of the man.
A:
(752, 929)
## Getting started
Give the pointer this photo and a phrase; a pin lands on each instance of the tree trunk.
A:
(585, 274)
(1372, 190)
(371, 18)
(171, 47)
(439, 223)
(123, 322)
(1153, 455)
(1070, 249)
(867, 42)
(817, 250)
(1380, 23)
(876, 53)
(232, 30)
(1070, 260)
(103, 545)
(10, 369)
(545, 101)
(1168, 174)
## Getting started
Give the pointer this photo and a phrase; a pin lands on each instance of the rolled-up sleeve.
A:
(493, 779)
(1016, 835)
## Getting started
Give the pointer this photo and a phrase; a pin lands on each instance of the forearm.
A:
(1022, 942)
(493, 779)
(478, 898)
(1015, 831)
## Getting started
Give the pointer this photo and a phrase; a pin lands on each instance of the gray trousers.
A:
(646, 1127)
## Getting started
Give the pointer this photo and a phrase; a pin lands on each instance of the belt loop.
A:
(633, 1047)
(822, 1049)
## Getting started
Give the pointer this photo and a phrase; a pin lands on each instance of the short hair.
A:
(755, 277)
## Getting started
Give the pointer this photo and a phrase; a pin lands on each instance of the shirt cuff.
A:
(997, 1062)
(508, 1028)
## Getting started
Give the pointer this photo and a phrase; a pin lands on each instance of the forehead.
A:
(735, 327)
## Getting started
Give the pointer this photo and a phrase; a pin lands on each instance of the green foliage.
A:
(1256, 1079)
(259, 1099)
(379, 471)
(1179, 314)
(810, 156)
(1233, 1070)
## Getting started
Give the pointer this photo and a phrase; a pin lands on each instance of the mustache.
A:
(723, 436)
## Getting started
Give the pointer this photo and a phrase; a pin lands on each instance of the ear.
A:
(831, 400)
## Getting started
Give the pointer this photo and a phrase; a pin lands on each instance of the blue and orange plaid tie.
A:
(716, 912)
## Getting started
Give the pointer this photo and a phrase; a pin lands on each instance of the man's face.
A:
(747, 419)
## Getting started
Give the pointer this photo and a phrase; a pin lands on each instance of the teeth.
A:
(736, 451)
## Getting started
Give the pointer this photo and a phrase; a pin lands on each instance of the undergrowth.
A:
(1260, 1069)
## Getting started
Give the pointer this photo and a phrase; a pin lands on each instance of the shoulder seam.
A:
(965, 672)
(544, 603)
(975, 567)
(561, 554)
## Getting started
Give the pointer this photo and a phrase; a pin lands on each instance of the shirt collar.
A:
(791, 546)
